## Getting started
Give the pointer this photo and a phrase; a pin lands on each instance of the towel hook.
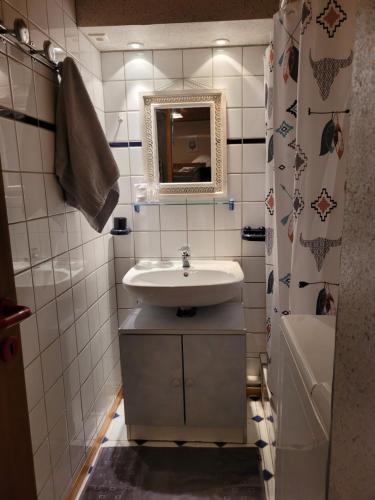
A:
(20, 31)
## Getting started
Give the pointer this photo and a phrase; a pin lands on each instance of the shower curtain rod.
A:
(19, 37)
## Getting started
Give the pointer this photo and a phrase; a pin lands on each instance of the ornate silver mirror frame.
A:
(215, 100)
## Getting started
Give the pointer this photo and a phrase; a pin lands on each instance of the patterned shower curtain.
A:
(307, 86)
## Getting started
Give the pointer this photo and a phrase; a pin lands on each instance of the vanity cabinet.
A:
(153, 379)
(184, 383)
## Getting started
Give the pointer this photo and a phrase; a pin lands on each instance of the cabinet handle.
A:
(176, 382)
(188, 382)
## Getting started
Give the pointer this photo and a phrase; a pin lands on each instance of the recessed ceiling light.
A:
(221, 41)
(135, 45)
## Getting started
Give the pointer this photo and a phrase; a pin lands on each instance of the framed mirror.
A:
(184, 141)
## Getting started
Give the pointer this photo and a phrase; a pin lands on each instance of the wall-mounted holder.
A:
(19, 37)
(120, 226)
(253, 234)
(230, 202)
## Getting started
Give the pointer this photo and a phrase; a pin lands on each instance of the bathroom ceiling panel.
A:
(143, 12)
(181, 35)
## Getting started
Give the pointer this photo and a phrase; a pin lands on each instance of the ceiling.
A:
(181, 35)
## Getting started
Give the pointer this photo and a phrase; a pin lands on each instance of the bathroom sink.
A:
(168, 284)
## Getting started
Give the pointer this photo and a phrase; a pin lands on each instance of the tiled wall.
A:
(212, 232)
(63, 270)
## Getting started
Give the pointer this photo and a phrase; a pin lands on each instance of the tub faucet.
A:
(185, 254)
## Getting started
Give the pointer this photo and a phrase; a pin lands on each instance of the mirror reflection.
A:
(184, 144)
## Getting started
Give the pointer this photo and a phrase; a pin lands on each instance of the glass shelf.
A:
(228, 201)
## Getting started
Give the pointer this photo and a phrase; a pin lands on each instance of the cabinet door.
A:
(153, 381)
(215, 380)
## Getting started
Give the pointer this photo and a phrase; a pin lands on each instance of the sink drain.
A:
(186, 312)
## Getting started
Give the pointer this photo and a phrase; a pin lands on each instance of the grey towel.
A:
(84, 163)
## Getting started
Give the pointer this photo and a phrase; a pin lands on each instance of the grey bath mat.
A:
(148, 473)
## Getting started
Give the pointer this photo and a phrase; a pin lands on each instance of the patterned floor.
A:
(258, 434)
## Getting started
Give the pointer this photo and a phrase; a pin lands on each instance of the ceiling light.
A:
(135, 45)
(221, 41)
(176, 115)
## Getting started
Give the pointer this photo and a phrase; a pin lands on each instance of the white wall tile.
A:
(39, 240)
(253, 213)
(51, 364)
(42, 465)
(124, 245)
(29, 148)
(34, 383)
(234, 123)
(58, 440)
(68, 346)
(228, 219)
(253, 248)
(114, 96)
(147, 244)
(254, 158)
(255, 320)
(133, 91)
(253, 187)
(173, 217)
(58, 234)
(54, 194)
(121, 155)
(13, 197)
(254, 269)
(44, 286)
(232, 86)
(38, 425)
(56, 23)
(253, 122)
(200, 217)
(34, 195)
(47, 325)
(29, 339)
(138, 65)
(71, 380)
(147, 219)
(134, 126)
(19, 243)
(253, 91)
(113, 66)
(47, 143)
(22, 88)
(8, 145)
(253, 60)
(136, 161)
(82, 332)
(116, 127)
(227, 243)
(25, 290)
(197, 62)
(171, 242)
(79, 299)
(125, 193)
(202, 243)
(6, 97)
(234, 186)
(169, 84)
(234, 155)
(254, 295)
(65, 310)
(168, 64)
(227, 61)
(45, 92)
(73, 222)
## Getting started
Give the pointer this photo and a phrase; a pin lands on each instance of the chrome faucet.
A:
(185, 254)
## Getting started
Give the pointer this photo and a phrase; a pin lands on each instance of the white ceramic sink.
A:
(168, 284)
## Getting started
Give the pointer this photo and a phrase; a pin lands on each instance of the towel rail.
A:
(19, 37)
